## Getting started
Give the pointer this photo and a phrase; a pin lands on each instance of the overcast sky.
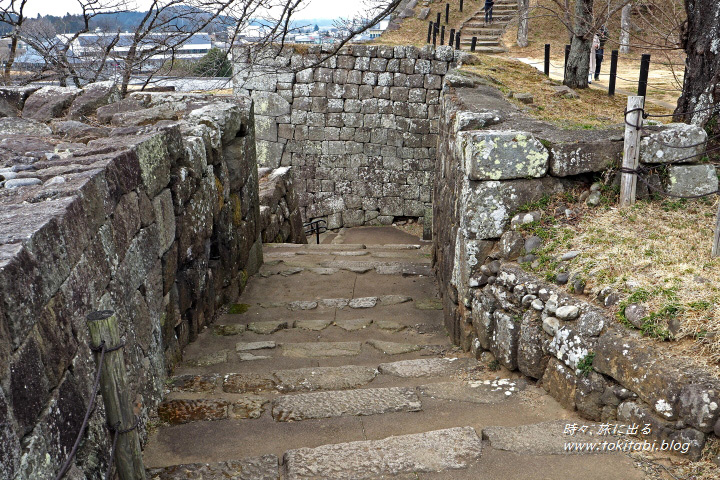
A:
(314, 8)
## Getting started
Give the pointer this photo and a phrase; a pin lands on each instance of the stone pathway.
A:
(340, 368)
(488, 35)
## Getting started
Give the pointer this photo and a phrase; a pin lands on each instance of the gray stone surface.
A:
(548, 438)
(23, 126)
(324, 378)
(674, 143)
(389, 325)
(259, 468)
(321, 349)
(435, 451)
(689, 180)
(427, 367)
(249, 346)
(502, 155)
(479, 391)
(313, 325)
(369, 401)
(393, 348)
(268, 327)
(363, 302)
(354, 324)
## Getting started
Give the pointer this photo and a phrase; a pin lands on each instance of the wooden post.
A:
(716, 239)
(631, 153)
(116, 395)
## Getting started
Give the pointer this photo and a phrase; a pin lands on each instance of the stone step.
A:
(257, 468)
(427, 367)
(363, 402)
(435, 451)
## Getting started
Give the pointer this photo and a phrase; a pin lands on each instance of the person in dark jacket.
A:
(488, 11)
(599, 53)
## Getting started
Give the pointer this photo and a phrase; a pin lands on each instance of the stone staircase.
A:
(335, 365)
(488, 36)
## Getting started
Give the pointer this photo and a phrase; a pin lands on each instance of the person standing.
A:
(488, 11)
(603, 36)
(593, 50)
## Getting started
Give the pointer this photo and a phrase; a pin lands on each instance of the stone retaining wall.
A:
(491, 160)
(155, 216)
(280, 220)
(360, 130)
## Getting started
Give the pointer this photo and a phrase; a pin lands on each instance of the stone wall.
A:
(149, 208)
(280, 220)
(360, 129)
(492, 159)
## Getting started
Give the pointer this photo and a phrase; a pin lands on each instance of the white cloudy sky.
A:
(313, 9)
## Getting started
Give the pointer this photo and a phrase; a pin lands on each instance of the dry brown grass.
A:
(413, 31)
(656, 253)
(593, 109)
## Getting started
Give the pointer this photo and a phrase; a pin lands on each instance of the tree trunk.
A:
(567, 19)
(578, 65)
(522, 34)
(701, 40)
(11, 55)
(625, 28)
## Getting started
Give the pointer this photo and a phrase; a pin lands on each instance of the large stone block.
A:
(561, 383)
(49, 102)
(675, 143)
(531, 345)
(584, 157)
(9, 442)
(165, 217)
(270, 104)
(93, 96)
(504, 341)
(690, 180)
(502, 155)
(154, 161)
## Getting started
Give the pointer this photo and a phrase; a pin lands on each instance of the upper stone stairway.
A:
(335, 365)
(488, 35)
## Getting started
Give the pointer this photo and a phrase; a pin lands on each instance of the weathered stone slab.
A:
(49, 102)
(561, 383)
(194, 383)
(353, 324)
(428, 304)
(229, 330)
(484, 391)
(302, 305)
(690, 180)
(385, 300)
(389, 325)
(502, 155)
(184, 411)
(363, 302)
(584, 157)
(368, 401)
(324, 378)
(214, 358)
(313, 325)
(258, 468)
(435, 451)
(266, 328)
(23, 126)
(427, 367)
(335, 302)
(249, 406)
(547, 438)
(249, 346)
(250, 357)
(504, 341)
(248, 382)
(393, 348)
(675, 143)
(321, 349)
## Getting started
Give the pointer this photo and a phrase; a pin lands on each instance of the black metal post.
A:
(430, 29)
(613, 72)
(473, 44)
(461, 5)
(644, 70)
(567, 54)
(447, 12)
(457, 40)
(442, 35)
(452, 37)
(435, 34)
(438, 18)
(547, 59)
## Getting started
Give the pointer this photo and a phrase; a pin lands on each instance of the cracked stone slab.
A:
(266, 328)
(390, 325)
(312, 325)
(214, 358)
(392, 348)
(427, 367)
(250, 406)
(257, 468)
(434, 451)
(248, 382)
(250, 357)
(185, 411)
(321, 349)
(193, 383)
(353, 324)
(229, 330)
(324, 378)
(249, 346)
(335, 302)
(368, 401)
(386, 300)
(363, 302)
(324, 271)
(302, 305)
(291, 271)
(547, 438)
(487, 391)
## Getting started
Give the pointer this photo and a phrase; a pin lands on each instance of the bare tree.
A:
(13, 15)
(625, 28)
(523, 22)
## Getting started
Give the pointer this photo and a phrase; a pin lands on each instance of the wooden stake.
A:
(631, 153)
(116, 395)
(716, 239)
